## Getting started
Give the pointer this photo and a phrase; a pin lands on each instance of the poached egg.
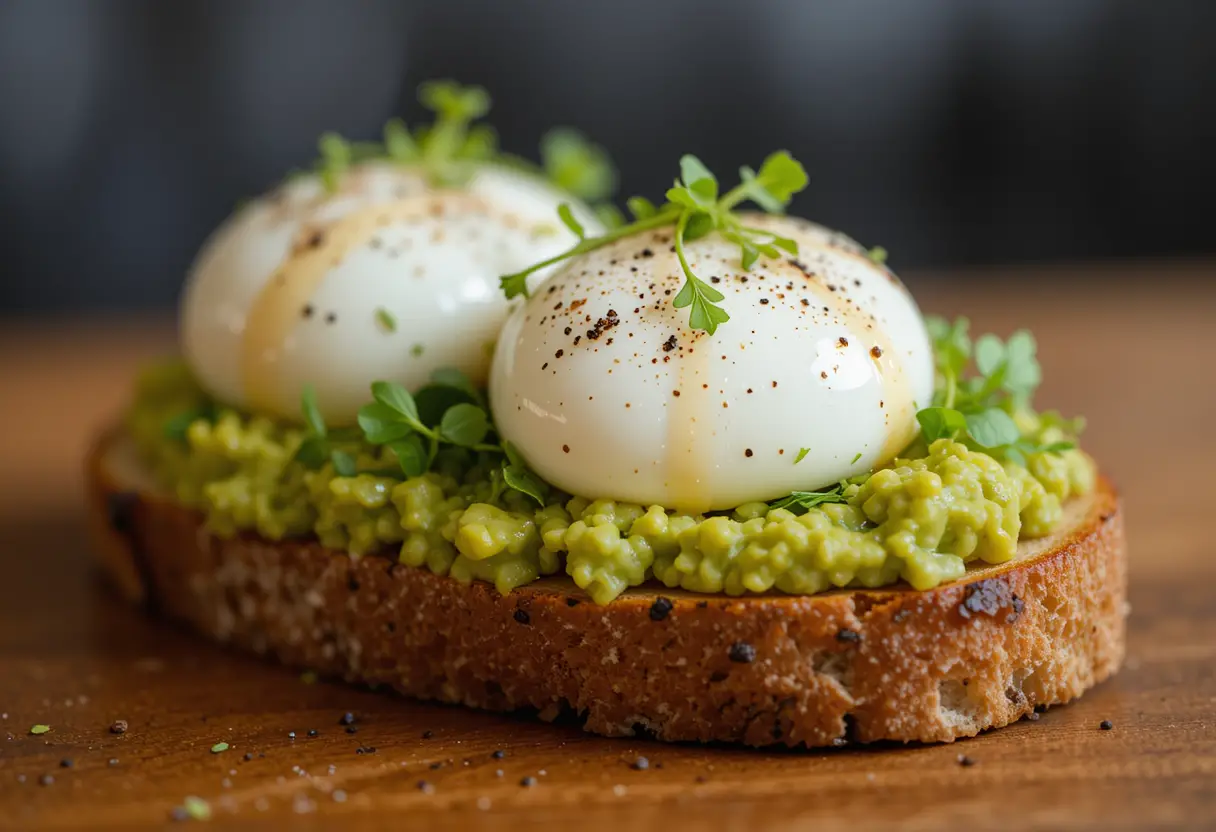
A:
(384, 278)
(604, 389)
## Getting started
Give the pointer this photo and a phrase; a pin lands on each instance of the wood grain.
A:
(1131, 347)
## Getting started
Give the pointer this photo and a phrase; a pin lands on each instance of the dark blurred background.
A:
(953, 132)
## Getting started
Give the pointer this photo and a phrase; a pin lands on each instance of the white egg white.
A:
(386, 278)
(600, 383)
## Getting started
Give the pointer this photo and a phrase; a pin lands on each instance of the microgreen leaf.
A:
(698, 179)
(989, 353)
(312, 452)
(449, 377)
(518, 476)
(1023, 374)
(802, 452)
(453, 102)
(940, 422)
(641, 207)
(577, 165)
(39, 729)
(343, 462)
(312, 413)
(757, 193)
(749, 254)
(435, 399)
(219, 748)
(381, 424)
(386, 319)
(800, 502)
(780, 176)
(481, 144)
(698, 226)
(567, 217)
(396, 398)
(514, 285)
(411, 454)
(701, 297)
(992, 428)
(336, 159)
(465, 425)
(787, 244)
(399, 145)
(877, 255)
(514, 457)
(525, 482)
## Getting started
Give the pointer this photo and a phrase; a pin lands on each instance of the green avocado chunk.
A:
(921, 519)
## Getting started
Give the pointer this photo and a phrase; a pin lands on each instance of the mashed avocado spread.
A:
(922, 519)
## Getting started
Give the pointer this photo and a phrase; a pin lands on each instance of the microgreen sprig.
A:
(800, 502)
(445, 150)
(695, 208)
(449, 149)
(980, 408)
(450, 411)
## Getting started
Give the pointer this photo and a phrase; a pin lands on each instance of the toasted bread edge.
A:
(846, 666)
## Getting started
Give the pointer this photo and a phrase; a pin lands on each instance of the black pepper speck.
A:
(522, 616)
(660, 609)
(742, 653)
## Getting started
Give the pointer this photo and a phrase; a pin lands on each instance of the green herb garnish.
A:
(219, 748)
(321, 444)
(448, 150)
(386, 319)
(577, 165)
(800, 502)
(878, 255)
(450, 411)
(196, 808)
(695, 209)
(802, 452)
(39, 729)
(856, 457)
(980, 408)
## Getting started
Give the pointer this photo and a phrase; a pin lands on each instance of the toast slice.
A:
(845, 666)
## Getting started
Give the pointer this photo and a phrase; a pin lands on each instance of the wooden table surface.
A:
(1132, 347)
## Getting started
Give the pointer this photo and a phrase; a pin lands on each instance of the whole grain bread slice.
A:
(850, 665)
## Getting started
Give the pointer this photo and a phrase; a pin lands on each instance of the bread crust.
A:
(849, 665)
